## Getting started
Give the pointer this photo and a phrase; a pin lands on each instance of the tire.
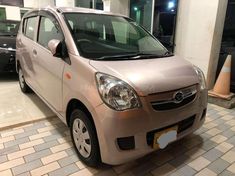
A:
(23, 85)
(85, 136)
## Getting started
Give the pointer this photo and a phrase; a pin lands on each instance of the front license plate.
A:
(163, 138)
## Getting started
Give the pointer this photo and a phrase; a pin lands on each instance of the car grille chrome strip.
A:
(174, 99)
(185, 95)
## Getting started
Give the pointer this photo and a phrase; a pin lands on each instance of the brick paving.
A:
(45, 148)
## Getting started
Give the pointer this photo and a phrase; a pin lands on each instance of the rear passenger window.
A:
(48, 31)
(30, 27)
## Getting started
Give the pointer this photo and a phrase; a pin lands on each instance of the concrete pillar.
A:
(38, 3)
(13, 13)
(65, 3)
(216, 42)
(106, 5)
(117, 6)
(199, 32)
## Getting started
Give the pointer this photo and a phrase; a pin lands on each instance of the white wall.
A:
(106, 5)
(199, 32)
(65, 3)
(38, 3)
(12, 12)
(117, 6)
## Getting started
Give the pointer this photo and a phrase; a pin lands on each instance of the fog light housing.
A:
(203, 114)
(126, 143)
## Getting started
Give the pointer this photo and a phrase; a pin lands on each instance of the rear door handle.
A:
(20, 42)
(34, 52)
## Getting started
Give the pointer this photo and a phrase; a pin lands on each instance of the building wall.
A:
(38, 3)
(199, 32)
(65, 3)
(12, 12)
(117, 6)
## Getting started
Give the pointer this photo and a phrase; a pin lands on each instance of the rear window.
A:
(30, 27)
(9, 27)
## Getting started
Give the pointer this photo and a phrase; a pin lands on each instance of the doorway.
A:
(141, 12)
(228, 42)
(158, 17)
(164, 24)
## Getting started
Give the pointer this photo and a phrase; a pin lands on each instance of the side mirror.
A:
(55, 46)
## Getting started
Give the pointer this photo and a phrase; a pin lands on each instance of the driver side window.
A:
(48, 30)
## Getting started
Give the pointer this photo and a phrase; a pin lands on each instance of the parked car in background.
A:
(121, 92)
(8, 32)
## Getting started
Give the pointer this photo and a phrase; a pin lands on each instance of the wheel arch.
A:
(17, 65)
(77, 104)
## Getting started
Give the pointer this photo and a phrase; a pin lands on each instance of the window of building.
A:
(164, 22)
(30, 27)
(158, 17)
(48, 31)
(141, 12)
(92, 4)
(2, 13)
(22, 12)
(98, 4)
(84, 3)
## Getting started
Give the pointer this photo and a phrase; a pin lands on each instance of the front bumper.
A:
(141, 124)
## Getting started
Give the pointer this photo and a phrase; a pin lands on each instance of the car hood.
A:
(8, 42)
(149, 76)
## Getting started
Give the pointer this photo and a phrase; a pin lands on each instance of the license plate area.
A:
(164, 137)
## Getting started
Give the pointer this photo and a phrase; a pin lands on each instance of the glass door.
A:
(92, 4)
(164, 24)
(142, 11)
(2, 13)
(158, 17)
(228, 42)
(84, 3)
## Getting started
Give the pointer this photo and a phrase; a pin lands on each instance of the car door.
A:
(49, 69)
(25, 43)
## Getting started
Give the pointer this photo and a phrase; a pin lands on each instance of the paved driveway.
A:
(16, 107)
(44, 148)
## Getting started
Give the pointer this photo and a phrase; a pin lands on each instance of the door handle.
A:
(20, 42)
(34, 52)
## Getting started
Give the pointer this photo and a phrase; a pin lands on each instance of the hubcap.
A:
(82, 138)
(21, 79)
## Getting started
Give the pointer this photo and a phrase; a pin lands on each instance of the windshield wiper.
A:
(130, 56)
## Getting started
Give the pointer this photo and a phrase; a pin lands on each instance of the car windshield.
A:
(9, 27)
(99, 36)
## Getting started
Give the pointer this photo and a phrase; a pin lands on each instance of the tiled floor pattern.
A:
(44, 148)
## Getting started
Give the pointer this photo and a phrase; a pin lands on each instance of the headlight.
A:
(201, 77)
(115, 93)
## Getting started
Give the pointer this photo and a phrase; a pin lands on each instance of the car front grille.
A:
(188, 96)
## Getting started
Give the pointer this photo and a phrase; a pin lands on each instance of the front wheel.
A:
(84, 138)
(23, 85)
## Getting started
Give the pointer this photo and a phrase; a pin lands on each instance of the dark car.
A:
(8, 32)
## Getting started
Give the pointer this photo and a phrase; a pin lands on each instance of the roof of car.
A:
(75, 10)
